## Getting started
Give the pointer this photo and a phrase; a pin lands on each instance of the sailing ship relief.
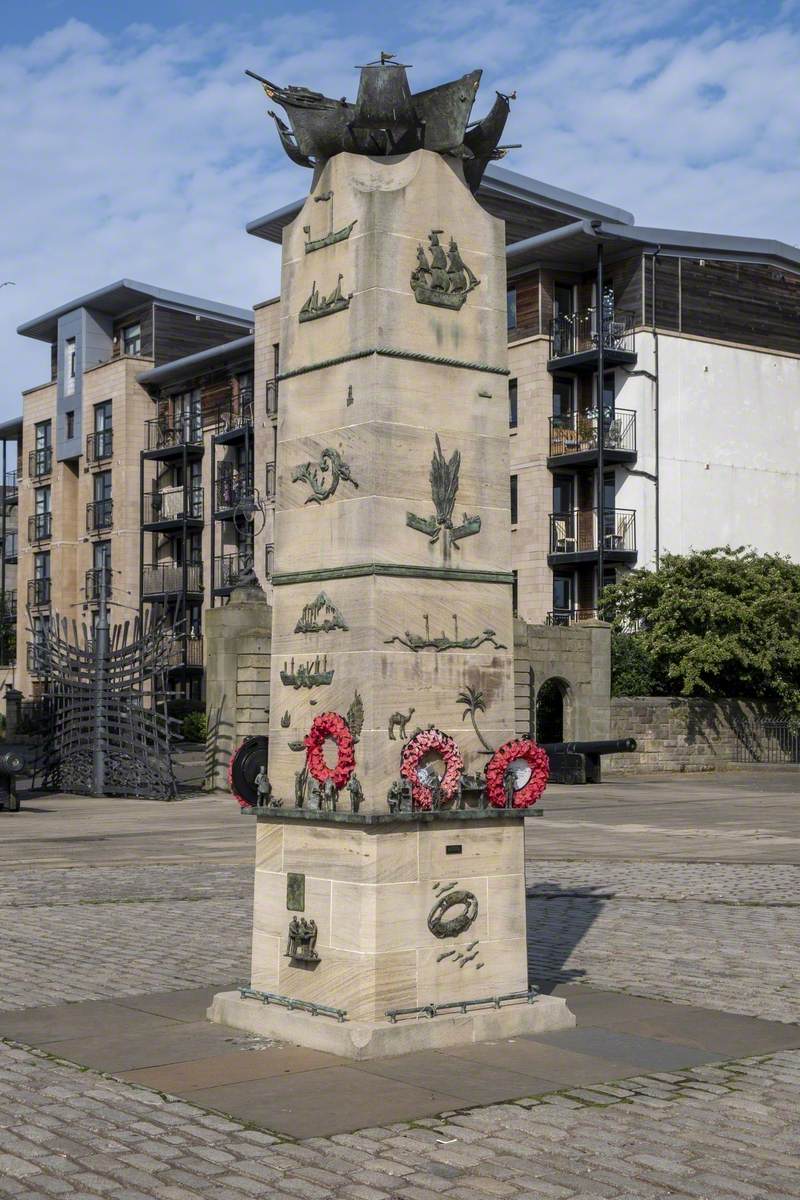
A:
(321, 306)
(445, 279)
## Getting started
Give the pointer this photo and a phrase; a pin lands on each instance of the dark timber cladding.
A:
(178, 334)
(535, 293)
(141, 316)
(748, 303)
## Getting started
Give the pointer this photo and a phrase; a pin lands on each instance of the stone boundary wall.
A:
(675, 733)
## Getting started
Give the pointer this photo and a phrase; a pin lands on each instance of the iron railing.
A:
(160, 579)
(233, 487)
(186, 651)
(235, 413)
(576, 532)
(577, 332)
(576, 432)
(168, 505)
(40, 462)
(94, 583)
(11, 546)
(769, 742)
(163, 434)
(229, 567)
(11, 487)
(571, 616)
(40, 526)
(271, 392)
(39, 592)
(99, 445)
(99, 514)
(34, 658)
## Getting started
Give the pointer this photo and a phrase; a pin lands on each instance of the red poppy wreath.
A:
(431, 741)
(527, 751)
(330, 725)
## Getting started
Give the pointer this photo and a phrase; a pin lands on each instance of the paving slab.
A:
(125, 1051)
(473, 1081)
(186, 1005)
(60, 1022)
(234, 1066)
(323, 1102)
(646, 1054)
(561, 1066)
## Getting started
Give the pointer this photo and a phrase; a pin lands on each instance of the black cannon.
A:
(579, 762)
(12, 763)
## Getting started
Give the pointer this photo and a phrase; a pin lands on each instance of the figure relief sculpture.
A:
(445, 280)
(399, 721)
(314, 475)
(320, 616)
(444, 488)
(356, 793)
(330, 796)
(302, 940)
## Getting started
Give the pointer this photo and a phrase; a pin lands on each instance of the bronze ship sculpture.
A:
(388, 119)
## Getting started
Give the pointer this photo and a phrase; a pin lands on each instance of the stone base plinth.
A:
(363, 1039)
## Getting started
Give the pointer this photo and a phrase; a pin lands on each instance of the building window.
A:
(70, 421)
(132, 340)
(514, 500)
(515, 593)
(70, 365)
(512, 404)
(511, 308)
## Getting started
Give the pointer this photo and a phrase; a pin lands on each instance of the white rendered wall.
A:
(729, 439)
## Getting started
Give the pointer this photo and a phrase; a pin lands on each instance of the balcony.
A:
(99, 445)
(166, 438)
(574, 438)
(186, 652)
(573, 536)
(40, 462)
(8, 606)
(271, 391)
(166, 578)
(234, 418)
(11, 550)
(228, 569)
(39, 591)
(94, 583)
(11, 488)
(40, 527)
(35, 656)
(574, 340)
(171, 507)
(571, 616)
(99, 515)
(231, 489)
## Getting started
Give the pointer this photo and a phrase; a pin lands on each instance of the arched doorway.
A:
(552, 709)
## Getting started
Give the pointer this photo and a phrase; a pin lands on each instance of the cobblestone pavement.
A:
(721, 1132)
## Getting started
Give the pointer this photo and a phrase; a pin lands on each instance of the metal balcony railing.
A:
(233, 487)
(228, 569)
(577, 332)
(186, 651)
(8, 606)
(11, 487)
(571, 616)
(272, 397)
(94, 582)
(160, 579)
(40, 462)
(40, 526)
(99, 445)
(576, 532)
(11, 546)
(99, 515)
(165, 434)
(235, 413)
(173, 504)
(39, 591)
(578, 432)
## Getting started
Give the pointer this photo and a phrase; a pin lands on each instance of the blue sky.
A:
(141, 149)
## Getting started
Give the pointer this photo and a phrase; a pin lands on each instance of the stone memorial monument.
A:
(400, 838)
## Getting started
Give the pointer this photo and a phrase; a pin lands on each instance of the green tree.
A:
(720, 622)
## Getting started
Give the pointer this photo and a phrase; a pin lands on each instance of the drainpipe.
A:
(4, 634)
(657, 473)
(600, 439)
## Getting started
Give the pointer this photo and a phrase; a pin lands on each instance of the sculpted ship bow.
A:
(387, 119)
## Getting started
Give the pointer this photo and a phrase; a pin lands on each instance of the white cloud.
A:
(144, 153)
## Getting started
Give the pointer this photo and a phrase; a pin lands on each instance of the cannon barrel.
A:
(611, 746)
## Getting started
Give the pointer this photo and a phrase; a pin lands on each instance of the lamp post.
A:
(101, 687)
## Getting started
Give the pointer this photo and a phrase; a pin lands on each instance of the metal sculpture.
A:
(444, 488)
(311, 473)
(317, 306)
(332, 236)
(443, 926)
(387, 119)
(320, 616)
(308, 674)
(399, 721)
(302, 939)
(445, 281)
(416, 642)
(108, 691)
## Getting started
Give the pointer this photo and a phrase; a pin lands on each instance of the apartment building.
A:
(83, 431)
(155, 440)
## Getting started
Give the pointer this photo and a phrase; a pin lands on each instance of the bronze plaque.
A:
(295, 892)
